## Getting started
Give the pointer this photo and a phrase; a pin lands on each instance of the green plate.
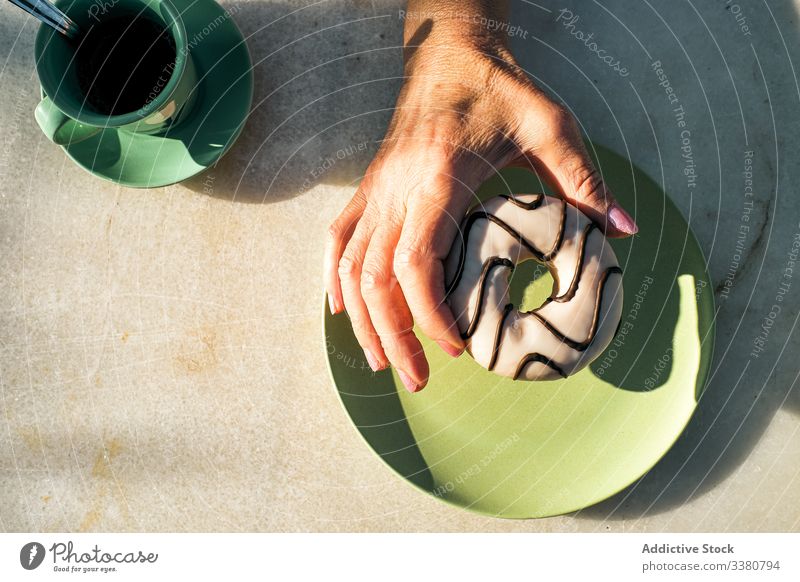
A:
(535, 449)
(225, 93)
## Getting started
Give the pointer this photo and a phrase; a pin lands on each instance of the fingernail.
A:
(330, 305)
(450, 349)
(373, 361)
(621, 220)
(410, 385)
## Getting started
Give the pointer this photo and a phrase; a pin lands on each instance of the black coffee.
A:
(123, 62)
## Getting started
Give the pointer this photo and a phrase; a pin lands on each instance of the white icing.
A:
(523, 333)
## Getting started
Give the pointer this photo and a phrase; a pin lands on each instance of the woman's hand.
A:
(465, 111)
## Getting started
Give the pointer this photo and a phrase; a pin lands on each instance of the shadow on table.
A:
(744, 393)
(326, 77)
(372, 402)
(319, 112)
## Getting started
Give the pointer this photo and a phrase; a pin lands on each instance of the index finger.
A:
(425, 241)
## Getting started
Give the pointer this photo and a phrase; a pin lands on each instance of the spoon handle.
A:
(49, 15)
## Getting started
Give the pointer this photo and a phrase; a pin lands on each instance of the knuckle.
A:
(562, 119)
(362, 330)
(348, 266)
(589, 185)
(442, 151)
(335, 230)
(373, 278)
(397, 342)
(409, 261)
(558, 124)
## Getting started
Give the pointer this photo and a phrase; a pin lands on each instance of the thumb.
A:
(565, 165)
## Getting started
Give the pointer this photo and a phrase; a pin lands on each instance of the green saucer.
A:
(535, 449)
(225, 93)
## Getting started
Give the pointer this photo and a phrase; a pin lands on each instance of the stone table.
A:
(162, 370)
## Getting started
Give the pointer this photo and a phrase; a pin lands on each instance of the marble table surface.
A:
(161, 354)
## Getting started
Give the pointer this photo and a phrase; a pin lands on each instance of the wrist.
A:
(455, 17)
(445, 30)
(456, 56)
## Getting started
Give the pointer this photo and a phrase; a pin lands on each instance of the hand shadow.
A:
(371, 400)
(308, 107)
(326, 77)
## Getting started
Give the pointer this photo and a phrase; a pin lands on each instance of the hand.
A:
(465, 111)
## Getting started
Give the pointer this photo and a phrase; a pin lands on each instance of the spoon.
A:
(44, 11)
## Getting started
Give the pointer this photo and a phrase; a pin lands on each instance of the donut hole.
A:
(530, 284)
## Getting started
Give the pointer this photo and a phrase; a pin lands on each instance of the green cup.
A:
(67, 117)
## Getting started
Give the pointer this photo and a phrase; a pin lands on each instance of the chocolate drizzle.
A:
(542, 257)
(542, 359)
(537, 254)
(575, 345)
(551, 254)
(487, 268)
(498, 335)
(576, 278)
(532, 205)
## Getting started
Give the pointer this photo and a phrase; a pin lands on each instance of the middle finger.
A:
(389, 310)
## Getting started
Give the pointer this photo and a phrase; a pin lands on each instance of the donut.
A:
(573, 326)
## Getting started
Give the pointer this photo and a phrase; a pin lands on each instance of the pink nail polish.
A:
(410, 385)
(450, 349)
(372, 361)
(621, 220)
